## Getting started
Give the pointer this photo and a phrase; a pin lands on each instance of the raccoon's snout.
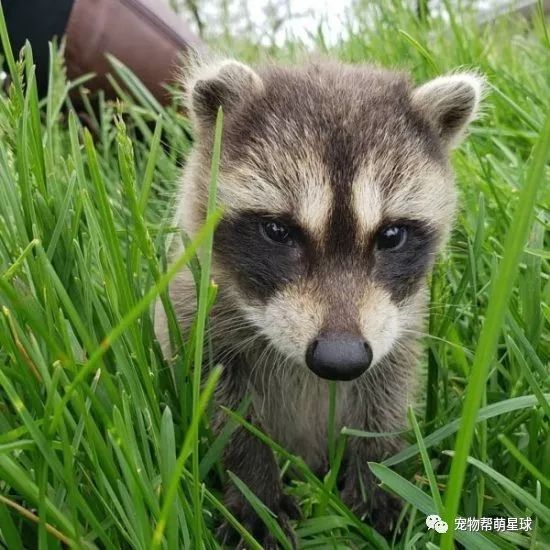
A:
(339, 356)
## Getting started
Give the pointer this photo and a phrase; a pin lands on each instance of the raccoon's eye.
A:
(392, 237)
(276, 231)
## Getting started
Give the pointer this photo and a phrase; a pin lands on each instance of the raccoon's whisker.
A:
(285, 375)
(228, 326)
(258, 369)
(236, 348)
(234, 326)
(229, 351)
(437, 338)
(442, 305)
(401, 347)
(229, 330)
(272, 372)
(258, 362)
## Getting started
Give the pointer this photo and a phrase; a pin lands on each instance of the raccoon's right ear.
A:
(223, 84)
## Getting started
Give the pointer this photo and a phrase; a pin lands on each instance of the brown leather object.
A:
(146, 35)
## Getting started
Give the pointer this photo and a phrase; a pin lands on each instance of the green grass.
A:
(102, 445)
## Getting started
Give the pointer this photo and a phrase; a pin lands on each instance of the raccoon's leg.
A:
(361, 492)
(254, 464)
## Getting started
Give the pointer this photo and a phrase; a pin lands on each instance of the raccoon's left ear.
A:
(450, 103)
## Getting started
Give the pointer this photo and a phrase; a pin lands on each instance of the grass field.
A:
(101, 447)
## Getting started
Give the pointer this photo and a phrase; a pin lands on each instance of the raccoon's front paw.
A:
(285, 510)
(385, 512)
(382, 509)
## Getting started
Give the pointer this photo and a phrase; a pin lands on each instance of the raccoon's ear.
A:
(223, 84)
(450, 103)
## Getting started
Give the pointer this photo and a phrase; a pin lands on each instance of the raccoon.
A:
(337, 194)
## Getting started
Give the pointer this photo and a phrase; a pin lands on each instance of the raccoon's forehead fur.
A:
(338, 153)
(330, 146)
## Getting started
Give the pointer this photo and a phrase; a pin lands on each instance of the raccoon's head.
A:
(337, 194)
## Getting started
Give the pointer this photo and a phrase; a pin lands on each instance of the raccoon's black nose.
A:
(339, 356)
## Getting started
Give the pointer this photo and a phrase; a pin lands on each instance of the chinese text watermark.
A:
(493, 524)
(434, 522)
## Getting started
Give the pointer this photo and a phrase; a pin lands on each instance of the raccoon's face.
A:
(337, 194)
